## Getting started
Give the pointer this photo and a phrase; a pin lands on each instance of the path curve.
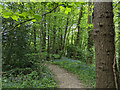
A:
(64, 78)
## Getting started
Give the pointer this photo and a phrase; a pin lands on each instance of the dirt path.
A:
(65, 79)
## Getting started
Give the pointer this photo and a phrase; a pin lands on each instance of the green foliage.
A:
(37, 16)
(81, 53)
(30, 80)
(14, 45)
(19, 43)
(70, 51)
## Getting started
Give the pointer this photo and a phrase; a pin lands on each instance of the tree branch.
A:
(32, 18)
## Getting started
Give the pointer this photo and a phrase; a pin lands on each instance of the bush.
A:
(29, 80)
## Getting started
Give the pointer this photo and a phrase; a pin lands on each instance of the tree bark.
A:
(90, 37)
(67, 38)
(44, 34)
(69, 33)
(119, 47)
(48, 48)
(72, 38)
(62, 50)
(104, 34)
(54, 36)
(35, 50)
(78, 32)
(41, 38)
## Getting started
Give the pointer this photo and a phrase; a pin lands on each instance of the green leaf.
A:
(14, 17)
(34, 20)
(37, 16)
(24, 14)
(6, 14)
(67, 10)
(62, 8)
(18, 26)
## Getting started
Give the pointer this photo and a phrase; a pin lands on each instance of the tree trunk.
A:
(48, 48)
(40, 52)
(90, 37)
(44, 32)
(41, 38)
(69, 33)
(104, 34)
(72, 38)
(62, 51)
(119, 46)
(67, 38)
(54, 36)
(61, 39)
(35, 50)
(78, 32)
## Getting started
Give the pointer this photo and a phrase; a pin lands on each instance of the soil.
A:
(64, 78)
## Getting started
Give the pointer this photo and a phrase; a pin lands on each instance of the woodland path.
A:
(64, 78)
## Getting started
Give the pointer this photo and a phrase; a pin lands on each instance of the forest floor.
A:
(64, 78)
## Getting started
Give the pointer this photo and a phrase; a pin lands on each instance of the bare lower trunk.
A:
(104, 44)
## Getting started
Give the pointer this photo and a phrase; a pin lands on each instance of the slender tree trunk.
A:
(68, 34)
(119, 48)
(41, 37)
(90, 37)
(104, 34)
(67, 39)
(72, 38)
(78, 32)
(44, 40)
(61, 39)
(44, 37)
(60, 42)
(54, 36)
(44, 32)
(1, 51)
(40, 53)
(35, 50)
(62, 50)
(40, 42)
(48, 48)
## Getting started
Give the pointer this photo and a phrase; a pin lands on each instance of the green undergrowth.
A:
(86, 72)
(28, 78)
